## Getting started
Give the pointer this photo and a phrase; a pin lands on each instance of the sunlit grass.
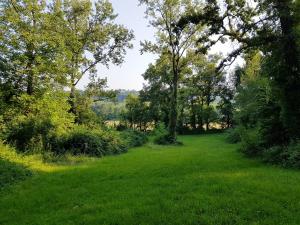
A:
(205, 181)
(39, 162)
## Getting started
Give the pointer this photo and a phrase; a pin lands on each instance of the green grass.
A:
(205, 181)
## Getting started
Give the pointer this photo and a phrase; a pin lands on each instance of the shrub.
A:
(85, 141)
(38, 121)
(134, 138)
(164, 140)
(233, 136)
(162, 137)
(160, 134)
(251, 144)
(287, 156)
(292, 155)
(82, 141)
(294, 159)
(274, 155)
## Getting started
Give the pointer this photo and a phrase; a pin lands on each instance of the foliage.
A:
(233, 136)
(287, 156)
(137, 113)
(134, 138)
(162, 136)
(268, 26)
(199, 88)
(31, 55)
(111, 111)
(91, 37)
(171, 42)
(251, 143)
(82, 140)
(49, 44)
(225, 106)
(37, 121)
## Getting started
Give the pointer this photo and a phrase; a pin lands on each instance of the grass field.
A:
(205, 181)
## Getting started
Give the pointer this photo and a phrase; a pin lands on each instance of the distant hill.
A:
(124, 93)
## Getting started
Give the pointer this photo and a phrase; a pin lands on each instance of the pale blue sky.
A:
(128, 75)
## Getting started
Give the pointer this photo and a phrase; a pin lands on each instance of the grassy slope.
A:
(203, 182)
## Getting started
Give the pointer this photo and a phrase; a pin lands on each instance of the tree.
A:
(30, 53)
(269, 26)
(87, 99)
(164, 15)
(157, 91)
(137, 112)
(225, 105)
(91, 37)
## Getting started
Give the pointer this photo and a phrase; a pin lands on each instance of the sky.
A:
(129, 74)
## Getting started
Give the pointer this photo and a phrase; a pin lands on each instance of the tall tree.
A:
(163, 16)
(29, 50)
(91, 37)
(157, 90)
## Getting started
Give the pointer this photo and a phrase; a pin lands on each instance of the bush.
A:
(162, 137)
(160, 134)
(85, 141)
(38, 121)
(293, 153)
(274, 155)
(287, 156)
(251, 144)
(134, 138)
(233, 136)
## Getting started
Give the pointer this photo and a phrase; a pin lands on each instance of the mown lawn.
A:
(205, 181)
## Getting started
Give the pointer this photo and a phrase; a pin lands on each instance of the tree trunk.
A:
(289, 76)
(173, 108)
(29, 68)
(193, 116)
(200, 118)
(72, 100)
(30, 79)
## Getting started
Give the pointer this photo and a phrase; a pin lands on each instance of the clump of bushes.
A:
(287, 156)
(162, 137)
(253, 145)
(82, 140)
(134, 138)
(37, 121)
(233, 136)
(44, 125)
(160, 134)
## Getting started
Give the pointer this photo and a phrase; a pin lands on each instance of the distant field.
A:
(205, 181)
